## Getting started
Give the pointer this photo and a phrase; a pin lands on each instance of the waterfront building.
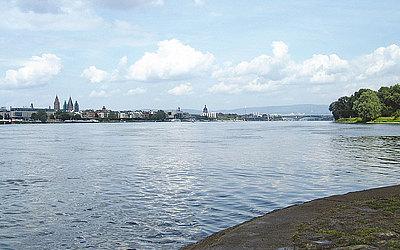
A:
(103, 113)
(88, 113)
(25, 114)
(70, 105)
(176, 114)
(205, 111)
(76, 106)
(4, 114)
(56, 104)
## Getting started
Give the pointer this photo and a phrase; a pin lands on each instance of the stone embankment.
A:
(368, 219)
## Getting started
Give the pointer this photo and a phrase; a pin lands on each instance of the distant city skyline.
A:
(163, 54)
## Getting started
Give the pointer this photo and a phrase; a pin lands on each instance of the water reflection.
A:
(165, 185)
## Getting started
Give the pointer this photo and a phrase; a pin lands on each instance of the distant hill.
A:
(308, 109)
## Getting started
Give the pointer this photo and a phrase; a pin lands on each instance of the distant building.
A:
(76, 106)
(65, 106)
(176, 114)
(205, 111)
(56, 104)
(103, 113)
(70, 105)
(26, 113)
(88, 113)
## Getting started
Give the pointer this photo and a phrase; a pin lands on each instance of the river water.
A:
(165, 185)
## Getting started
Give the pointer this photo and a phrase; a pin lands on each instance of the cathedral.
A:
(70, 106)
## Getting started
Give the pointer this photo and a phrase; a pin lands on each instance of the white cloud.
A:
(382, 62)
(136, 91)
(227, 88)
(100, 93)
(267, 73)
(215, 14)
(127, 4)
(172, 61)
(125, 28)
(199, 2)
(95, 75)
(36, 71)
(71, 15)
(182, 89)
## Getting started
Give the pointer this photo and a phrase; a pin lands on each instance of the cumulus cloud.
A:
(198, 2)
(172, 61)
(36, 71)
(100, 93)
(136, 91)
(68, 15)
(182, 89)
(267, 73)
(127, 4)
(95, 75)
(383, 62)
(40, 6)
(227, 88)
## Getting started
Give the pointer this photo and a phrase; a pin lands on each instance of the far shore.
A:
(357, 220)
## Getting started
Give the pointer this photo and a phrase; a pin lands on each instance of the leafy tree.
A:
(42, 115)
(342, 108)
(390, 99)
(77, 117)
(368, 105)
(112, 116)
(63, 115)
(34, 116)
(159, 116)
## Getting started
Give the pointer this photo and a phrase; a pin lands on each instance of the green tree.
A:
(77, 117)
(342, 108)
(390, 99)
(159, 116)
(112, 116)
(34, 116)
(42, 115)
(63, 115)
(368, 105)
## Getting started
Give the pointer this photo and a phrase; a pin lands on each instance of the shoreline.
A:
(356, 220)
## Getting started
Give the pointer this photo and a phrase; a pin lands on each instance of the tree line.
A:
(368, 104)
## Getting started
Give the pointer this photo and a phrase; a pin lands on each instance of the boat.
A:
(5, 121)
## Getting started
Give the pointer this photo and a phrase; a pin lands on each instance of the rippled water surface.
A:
(165, 185)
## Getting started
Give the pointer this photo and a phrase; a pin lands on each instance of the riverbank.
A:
(357, 220)
(380, 120)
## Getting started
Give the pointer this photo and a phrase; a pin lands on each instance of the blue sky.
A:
(137, 54)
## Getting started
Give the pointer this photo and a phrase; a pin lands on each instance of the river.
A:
(165, 185)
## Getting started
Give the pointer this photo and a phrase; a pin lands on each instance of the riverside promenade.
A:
(357, 220)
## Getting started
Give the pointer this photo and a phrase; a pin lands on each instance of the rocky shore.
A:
(358, 220)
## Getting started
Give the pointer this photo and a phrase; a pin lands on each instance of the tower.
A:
(56, 104)
(76, 106)
(70, 105)
(205, 111)
(65, 106)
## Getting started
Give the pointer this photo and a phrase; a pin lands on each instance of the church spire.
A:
(56, 104)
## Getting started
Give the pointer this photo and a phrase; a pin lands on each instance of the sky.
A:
(164, 54)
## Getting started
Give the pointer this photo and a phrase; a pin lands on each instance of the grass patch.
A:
(367, 231)
(296, 236)
(394, 244)
(362, 221)
(350, 120)
(334, 233)
(390, 206)
(387, 119)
